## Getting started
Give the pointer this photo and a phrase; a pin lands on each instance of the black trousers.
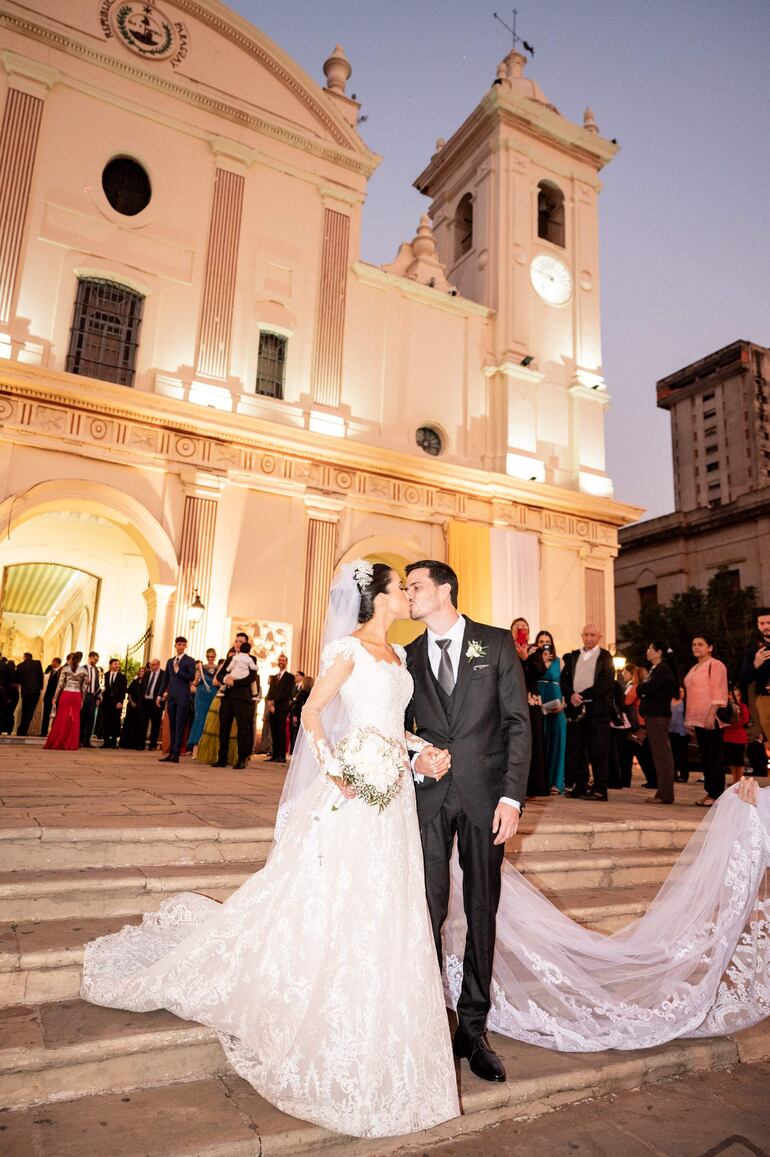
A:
(46, 721)
(679, 749)
(710, 748)
(110, 724)
(481, 862)
(588, 741)
(87, 717)
(242, 711)
(278, 721)
(152, 715)
(178, 718)
(28, 705)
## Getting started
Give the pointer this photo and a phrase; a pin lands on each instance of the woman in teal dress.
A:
(555, 725)
(204, 694)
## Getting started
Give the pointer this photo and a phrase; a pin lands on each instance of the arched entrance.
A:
(82, 566)
(398, 555)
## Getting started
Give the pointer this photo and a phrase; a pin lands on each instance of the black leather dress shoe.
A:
(598, 793)
(576, 793)
(219, 763)
(238, 766)
(169, 759)
(483, 1060)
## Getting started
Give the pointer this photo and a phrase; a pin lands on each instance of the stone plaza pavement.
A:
(93, 839)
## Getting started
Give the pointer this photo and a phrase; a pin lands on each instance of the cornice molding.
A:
(163, 433)
(375, 276)
(344, 152)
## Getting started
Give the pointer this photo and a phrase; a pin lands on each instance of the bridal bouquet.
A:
(371, 764)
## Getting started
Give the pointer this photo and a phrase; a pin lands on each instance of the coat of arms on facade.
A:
(145, 29)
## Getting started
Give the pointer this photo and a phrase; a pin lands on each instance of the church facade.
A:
(209, 400)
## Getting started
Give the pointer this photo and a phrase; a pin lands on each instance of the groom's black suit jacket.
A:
(485, 725)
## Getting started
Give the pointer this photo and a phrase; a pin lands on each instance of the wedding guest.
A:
(655, 693)
(554, 723)
(280, 690)
(237, 676)
(132, 735)
(679, 739)
(705, 687)
(152, 704)
(587, 683)
(532, 662)
(635, 745)
(303, 685)
(29, 676)
(205, 690)
(113, 696)
(735, 736)
(91, 700)
(68, 699)
(8, 694)
(176, 692)
(52, 678)
(208, 746)
(755, 669)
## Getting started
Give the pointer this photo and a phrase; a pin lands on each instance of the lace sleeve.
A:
(414, 744)
(335, 668)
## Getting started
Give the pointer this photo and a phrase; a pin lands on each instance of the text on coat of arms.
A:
(143, 28)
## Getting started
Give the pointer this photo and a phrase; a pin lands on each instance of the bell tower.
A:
(514, 203)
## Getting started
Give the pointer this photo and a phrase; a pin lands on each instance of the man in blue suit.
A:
(175, 689)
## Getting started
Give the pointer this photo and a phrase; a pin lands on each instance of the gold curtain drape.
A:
(470, 556)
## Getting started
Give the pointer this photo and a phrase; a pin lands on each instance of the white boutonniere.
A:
(475, 650)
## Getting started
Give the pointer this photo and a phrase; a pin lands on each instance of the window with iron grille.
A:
(105, 331)
(271, 364)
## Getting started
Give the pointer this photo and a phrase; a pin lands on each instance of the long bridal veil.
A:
(697, 963)
(341, 620)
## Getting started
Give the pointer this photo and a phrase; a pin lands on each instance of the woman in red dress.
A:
(65, 729)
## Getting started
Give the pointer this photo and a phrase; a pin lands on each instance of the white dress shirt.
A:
(454, 651)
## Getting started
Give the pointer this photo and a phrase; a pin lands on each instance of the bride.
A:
(320, 972)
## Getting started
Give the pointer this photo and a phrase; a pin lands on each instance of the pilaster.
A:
(323, 521)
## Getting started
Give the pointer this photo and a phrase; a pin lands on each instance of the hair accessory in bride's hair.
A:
(363, 572)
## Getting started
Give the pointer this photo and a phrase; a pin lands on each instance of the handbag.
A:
(729, 714)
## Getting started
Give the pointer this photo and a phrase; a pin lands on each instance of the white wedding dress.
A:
(320, 972)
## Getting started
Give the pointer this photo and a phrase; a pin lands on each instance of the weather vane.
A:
(516, 38)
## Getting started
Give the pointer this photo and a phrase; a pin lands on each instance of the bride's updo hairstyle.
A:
(371, 587)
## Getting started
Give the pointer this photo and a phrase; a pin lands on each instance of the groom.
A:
(471, 703)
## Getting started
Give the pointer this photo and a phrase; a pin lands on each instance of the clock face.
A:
(551, 279)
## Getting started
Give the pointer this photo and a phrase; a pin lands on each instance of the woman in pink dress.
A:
(705, 687)
(65, 729)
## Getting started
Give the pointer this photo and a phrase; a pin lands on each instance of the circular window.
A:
(429, 440)
(126, 186)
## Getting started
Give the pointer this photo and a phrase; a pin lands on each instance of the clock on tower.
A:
(514, 203)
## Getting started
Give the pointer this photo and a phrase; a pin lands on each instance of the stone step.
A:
(38, 848)
(98, 892)
(40, 961)
(61, 1054)
(41, 848)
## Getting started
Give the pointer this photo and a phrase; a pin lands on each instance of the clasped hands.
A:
(433, 762)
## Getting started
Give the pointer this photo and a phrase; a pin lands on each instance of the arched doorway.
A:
(92, 564)
(397, 555)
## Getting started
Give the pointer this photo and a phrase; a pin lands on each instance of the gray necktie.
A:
(446, 676)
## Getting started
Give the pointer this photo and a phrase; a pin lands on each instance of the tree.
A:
(725, 612)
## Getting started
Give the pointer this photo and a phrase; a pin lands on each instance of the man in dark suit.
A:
(9, 694)
(93, 693)
(52, 671)
(29, 676)
(151, 704)
(588, 687)
(113, 694)
(470, 704)
(280, 692)
(176, 690)
(238, 703)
